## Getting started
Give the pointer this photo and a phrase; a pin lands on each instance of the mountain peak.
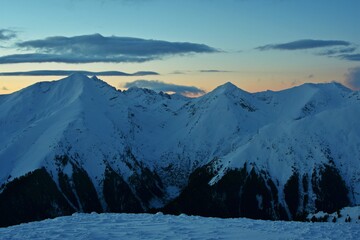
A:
(77, 76)
(228, 85)
(327, 85)
(339, 86)
(139, 91)
(76, 80)
(95, 77)
(228, 88)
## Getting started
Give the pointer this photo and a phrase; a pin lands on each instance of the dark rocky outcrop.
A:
(244, 192)
(330, 189)
(118, 195)
(85, 190)
(292, 194)
(32, 197)
(146, 184)
(250, 193)
(240, 193)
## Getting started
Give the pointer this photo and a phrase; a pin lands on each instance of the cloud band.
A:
(97, 48)
(69, 72)
(304, 44)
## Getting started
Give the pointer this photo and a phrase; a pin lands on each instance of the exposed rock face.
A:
(36, 196)
(32, 197)
(240, 193)
(246, 193)
(330, 189)
(118, 195)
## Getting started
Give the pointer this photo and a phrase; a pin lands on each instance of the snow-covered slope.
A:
(138, 149)
(300, 128)
(347, 214)
(159, 226)
(38, 119)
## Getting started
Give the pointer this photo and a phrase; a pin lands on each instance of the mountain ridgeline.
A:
(80, 145)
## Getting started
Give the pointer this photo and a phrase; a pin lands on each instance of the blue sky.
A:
(245, 41)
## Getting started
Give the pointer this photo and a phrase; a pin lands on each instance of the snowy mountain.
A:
(79, 145)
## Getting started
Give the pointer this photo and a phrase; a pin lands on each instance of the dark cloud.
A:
(212, 71)
(304, 44)
(178, 72)
(6, 34)
(337, 51)
(97, 48)
(353, 78)
(69, 72)
(333, 48)
(98, 45)
(350, 57)
(68, 58)
(160, 86)
(200, 71)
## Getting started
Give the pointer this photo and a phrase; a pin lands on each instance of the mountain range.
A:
(80, 145)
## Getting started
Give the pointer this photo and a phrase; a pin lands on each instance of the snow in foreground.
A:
(159, 226)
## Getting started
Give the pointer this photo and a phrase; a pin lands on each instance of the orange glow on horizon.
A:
(10, 84)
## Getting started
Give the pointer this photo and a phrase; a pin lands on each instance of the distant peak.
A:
(228, 88)
(138, 90)
(81, 79)
(228, 85)
(78, 76)
(95, 78)
(326, 86)
(341, 86)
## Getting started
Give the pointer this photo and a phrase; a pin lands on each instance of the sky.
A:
(191, 46)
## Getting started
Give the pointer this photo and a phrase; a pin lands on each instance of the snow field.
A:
(159, 226)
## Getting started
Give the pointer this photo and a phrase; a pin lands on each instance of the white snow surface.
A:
(93, 123)
(351, 214)
(159, 226)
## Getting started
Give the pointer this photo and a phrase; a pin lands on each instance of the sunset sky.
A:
(255, 44)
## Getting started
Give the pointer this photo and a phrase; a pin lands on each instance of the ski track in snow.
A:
(159, 226)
